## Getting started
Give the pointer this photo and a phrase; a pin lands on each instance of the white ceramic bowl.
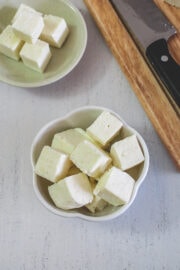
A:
(83, 117)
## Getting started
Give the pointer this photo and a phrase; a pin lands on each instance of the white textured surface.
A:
(147, 236)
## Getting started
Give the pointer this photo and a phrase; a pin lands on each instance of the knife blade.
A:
(151, 31)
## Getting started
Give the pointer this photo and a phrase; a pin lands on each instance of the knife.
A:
(151, 31)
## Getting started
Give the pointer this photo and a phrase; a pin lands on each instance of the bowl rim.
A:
(138, 183)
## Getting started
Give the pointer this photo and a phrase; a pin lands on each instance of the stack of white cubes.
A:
(30, 35)
(90, 167)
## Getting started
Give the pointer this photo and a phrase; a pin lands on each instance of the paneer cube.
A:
(10, 44)
(36, 56)
(98, 204)
(71, 192)
(52, 165)
(67, 140)
(115, 187)
(126, 153)
(55, 30)
(24, 8)
(28, 26)
(104, 128)
(90, 159)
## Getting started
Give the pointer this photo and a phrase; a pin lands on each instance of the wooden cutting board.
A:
(162, 112)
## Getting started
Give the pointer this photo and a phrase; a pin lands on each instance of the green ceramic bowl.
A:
(63, 59)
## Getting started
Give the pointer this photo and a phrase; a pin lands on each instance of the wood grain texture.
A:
(146, 87)
(175, 3)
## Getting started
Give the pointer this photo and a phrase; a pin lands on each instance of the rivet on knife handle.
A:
(165, 66)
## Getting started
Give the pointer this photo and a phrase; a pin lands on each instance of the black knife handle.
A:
(166, 67)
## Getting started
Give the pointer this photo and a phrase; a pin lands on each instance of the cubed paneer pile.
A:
(89, 168)
(30, 35)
